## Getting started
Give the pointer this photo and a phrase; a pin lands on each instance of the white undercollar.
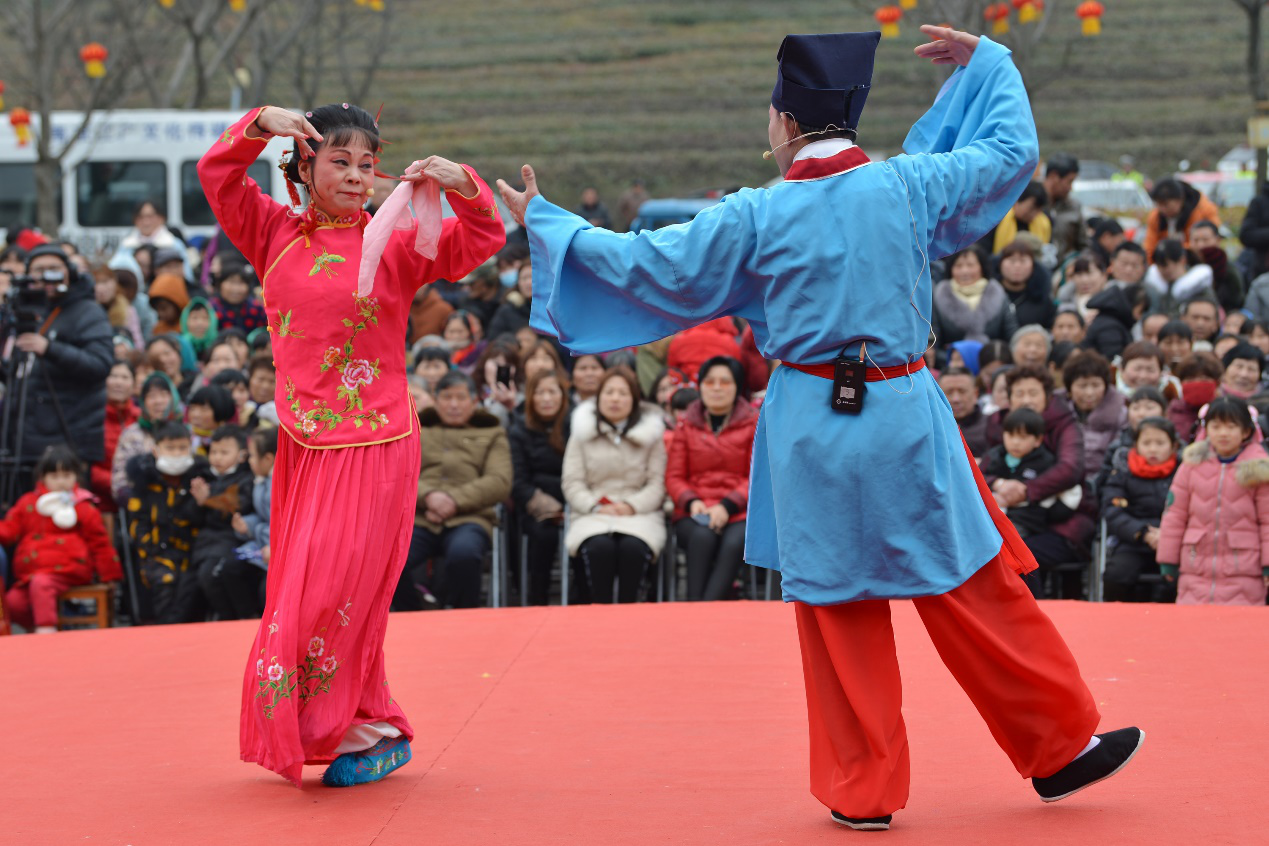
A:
(824, 149)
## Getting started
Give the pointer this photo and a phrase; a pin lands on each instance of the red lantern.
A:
(20, 120)
(997, 14)
(1028, 10)
(888, 17)
(94, 56)
(1, 95)
(1090, 14)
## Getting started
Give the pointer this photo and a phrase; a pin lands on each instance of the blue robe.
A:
(879, 505)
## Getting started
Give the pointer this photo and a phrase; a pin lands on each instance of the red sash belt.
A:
(874, 374)
(1013, 551)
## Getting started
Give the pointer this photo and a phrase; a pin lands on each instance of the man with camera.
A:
(56, 366)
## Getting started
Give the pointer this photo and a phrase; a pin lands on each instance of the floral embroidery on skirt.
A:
(317, 666)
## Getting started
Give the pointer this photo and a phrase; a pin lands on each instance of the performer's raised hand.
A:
(518, 201)
(450, 175)
(949, 47)
(275, 121)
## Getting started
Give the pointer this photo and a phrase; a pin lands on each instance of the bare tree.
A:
(308, 42)
(1255, 76)
(1029, 42)
(48, 34)
(307, 36)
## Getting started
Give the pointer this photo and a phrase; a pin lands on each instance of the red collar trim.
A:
(806, 170)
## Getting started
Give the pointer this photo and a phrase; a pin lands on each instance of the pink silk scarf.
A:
(394, 214)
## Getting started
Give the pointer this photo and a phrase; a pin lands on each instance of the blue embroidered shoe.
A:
(368, 765)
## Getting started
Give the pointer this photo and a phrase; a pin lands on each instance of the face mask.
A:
(508, 277)
(174, 465)
(1198, 393)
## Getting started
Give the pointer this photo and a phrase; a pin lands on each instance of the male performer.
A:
(862, 490)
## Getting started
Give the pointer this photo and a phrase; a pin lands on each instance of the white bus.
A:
(122, 158)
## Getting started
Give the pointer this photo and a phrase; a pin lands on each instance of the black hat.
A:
(55, 252)
(163, 256)
(823, 80)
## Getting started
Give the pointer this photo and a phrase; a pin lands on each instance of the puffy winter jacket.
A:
(1195, 206)
(628, 467)
(1111, 330)
(1064, 436)
(471, 463)
(693, 347)
(118, 418)
(44, 547)
(537, 465)
(1131, 504)
(1034, 303)
(1101, 426)
(953, 320)
(71, 378)
(711, 468)
(1216, 527)
(1254, 232)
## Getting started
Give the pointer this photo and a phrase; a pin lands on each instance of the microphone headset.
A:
(830, 128)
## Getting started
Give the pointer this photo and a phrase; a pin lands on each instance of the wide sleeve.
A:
(598, 291)
(969, 157)
(246, 215)
(1176, 513)
(467, 240)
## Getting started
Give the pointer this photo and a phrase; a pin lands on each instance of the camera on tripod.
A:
(28, 302)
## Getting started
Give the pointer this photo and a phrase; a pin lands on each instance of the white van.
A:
(122, 158)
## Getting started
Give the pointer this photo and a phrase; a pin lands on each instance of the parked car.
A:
(655, 214)
(1112, 195)
(1096, 170)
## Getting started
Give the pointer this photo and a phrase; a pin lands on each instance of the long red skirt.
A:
(340, 532)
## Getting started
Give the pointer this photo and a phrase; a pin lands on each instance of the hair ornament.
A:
(308, 114)
(345, 105)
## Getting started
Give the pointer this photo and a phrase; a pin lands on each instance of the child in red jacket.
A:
(61, 542)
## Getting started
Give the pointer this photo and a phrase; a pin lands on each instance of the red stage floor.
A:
(651, 724)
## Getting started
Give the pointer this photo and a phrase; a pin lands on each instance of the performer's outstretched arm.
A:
(972, 153)
(247, 216)
(598, 290)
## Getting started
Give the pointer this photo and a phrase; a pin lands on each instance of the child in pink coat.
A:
(1215, 528)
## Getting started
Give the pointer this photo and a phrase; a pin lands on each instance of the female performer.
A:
(346, 474)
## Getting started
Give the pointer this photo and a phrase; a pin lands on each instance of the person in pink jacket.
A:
(1215, 528)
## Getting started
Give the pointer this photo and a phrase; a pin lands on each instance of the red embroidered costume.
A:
(346, 477)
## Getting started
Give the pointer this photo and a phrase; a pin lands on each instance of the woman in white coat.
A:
(614, 481)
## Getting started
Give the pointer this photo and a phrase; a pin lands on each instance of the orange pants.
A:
(1001, 648)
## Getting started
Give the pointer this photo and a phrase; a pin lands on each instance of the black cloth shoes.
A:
(866, 824)
(1115, 750)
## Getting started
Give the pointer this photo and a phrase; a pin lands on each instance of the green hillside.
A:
(676, 92)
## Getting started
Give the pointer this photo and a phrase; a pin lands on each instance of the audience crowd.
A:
(1109, 386)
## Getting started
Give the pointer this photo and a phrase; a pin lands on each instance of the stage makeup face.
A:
(339, 177)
